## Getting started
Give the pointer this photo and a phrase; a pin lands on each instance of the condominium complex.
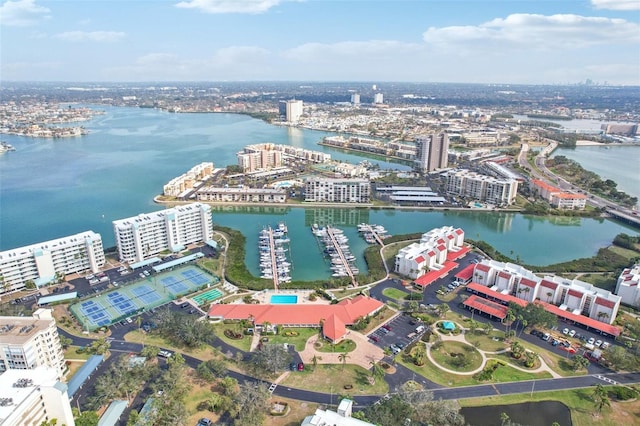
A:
(265, 156)
(430, 253)
(432, 151)
(378, 98)
(559, 198)
(148, 234)
(33, 397)
(628, 287)
(291, 110)
(186, 182)
(30, 342)
(337, 190)
(355, 98)
(571, 296)
(496, 191)
(242, 195)
(43, 263)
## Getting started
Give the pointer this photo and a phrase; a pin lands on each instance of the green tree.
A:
(150, 351)
(443, 308)
(86, 418)
(578, 362)
(343, 358)
(65, 341)
(100, 346)
(600, 398)
(250, 404)
(504, 419)
(376, 371)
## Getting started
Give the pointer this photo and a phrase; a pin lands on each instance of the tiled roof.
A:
(441, 247)
(575, 293)
(419, 259)
(453, 255)
(504, 274)
(483, 268)
(459, 231)
(440, 241)
(548, 284)
(333, 328)
(527, 282)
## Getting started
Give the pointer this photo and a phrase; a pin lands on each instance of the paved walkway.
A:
(364, 353)
(486, 355)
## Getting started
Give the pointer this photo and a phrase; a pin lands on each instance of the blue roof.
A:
(57, 298)
(83, 373)
(145, 263)
(113, 413)
(212, 243)
(177, 262)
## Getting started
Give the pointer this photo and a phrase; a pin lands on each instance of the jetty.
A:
(338, 252)
(273, 246)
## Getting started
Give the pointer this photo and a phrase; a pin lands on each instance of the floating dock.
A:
(338, 252)
(274, 262)
(373, 233)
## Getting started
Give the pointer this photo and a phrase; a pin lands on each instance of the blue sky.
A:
(475, 41)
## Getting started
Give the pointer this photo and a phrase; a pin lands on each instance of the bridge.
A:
(624, 217)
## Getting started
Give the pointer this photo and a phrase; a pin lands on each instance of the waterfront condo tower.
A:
(290, 110)
(432, 152)
(148, 234)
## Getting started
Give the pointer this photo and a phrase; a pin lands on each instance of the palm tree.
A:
(314, 361)
(600, 397)
(526, 292)
(549, 294)
(419, 355)
(343, 358)
(602, 315)
(376, 371)
(443, 308)
(504, 419)
(524, 323)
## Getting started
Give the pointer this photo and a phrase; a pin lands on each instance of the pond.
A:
(542, 413)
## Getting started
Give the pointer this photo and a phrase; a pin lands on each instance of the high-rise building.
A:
(432, 151)
(290, 110)
(378, 98)
(146, 235)
(489, 189)
(42, 263)
(337, 190)
(30, 342)
(355, 98)
(32, 397)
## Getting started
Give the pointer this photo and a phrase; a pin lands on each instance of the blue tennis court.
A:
(195, 277)
(122, 303)
(173, 285)
(96, 312)
(146, 294)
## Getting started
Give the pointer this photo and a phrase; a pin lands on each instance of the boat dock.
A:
(337, 249)
(274, 263)
(373, 233)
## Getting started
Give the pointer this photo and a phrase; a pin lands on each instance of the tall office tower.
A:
(146, 235)
(43, 263)
(292, 110)
(30, 342)
(432, 151)
(355, 98)
(378, 98)
(32, 397)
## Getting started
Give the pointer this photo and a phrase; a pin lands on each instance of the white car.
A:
(604, 345)
(565, 331)
(164, 354)
(598, 343)
(591, 341)
(572, 333)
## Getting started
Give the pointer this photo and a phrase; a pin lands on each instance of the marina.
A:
(373, 234)
(4, 147)
(337, 251)
(273, 248)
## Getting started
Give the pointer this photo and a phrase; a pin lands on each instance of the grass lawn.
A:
(492, 342)
(449, 353)
(394, 293)
(578, 400)
(557, 363)
(344, 294)
(204, 352)
(73, 367)
(298, 341)
(344, 346)
(70, 353)
(243, 344)
(601, 280)
(331, 378)
(376, 321)
(298, 410)
(198, 392)
(629, 254)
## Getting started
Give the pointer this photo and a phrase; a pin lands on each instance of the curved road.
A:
(402, 375)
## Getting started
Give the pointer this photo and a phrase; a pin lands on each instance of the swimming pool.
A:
(284, 299)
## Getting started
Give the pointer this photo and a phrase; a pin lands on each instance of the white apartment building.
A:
(341, 417)
(146, 235)
(573, 296)
(628, 287)
(430, 253)
(558, 198)
(496, 191)
(265, 156)
(481, 138)
(337, 190)
(241, 195)
(31, 397)
(186, 182)
(30, 342)
(291, 110)
(42, 263)
(378, 98)
(355, 98)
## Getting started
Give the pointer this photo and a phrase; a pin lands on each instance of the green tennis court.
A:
(208, 296)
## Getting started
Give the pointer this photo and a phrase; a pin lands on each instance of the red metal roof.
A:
(527, 282)
(459, 231)
(454, 255)
(440, 241)
(431, 253)
(451, 237)
(348, 310)
(433, 275)
(604, 302)
(483, 268)
(487, 306)
(575, 293)
(504, 274)
(466, 273)
(548, 284)
(441, 247)
(419, 259)
(503, 297)
(581, 319)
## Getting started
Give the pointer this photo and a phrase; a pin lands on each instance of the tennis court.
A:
(156, 290)
(208, 296)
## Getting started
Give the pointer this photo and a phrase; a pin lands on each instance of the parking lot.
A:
(395, 332)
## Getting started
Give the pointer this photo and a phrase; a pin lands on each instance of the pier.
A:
(373, 233)
(273, 260)
(342, 261)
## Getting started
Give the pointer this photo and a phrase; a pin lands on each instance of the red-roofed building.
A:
(334, 329)
(483, 274)
(490, 294)
(486, 306)
(430, 277)
(581, 319)
(348, 311)
(466, 274)
(457, 254)
(435, 247)
(558, 198)
(627, 287)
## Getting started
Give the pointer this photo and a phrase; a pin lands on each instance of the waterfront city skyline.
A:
(528, 42)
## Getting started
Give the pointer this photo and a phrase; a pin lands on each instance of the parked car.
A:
(300, 366)
(604, 345)
(572, 333)
(598, 343)
(565, 331)
(204, 422)
(293, 366)
(374, 338)
(387, 327)
(555, 342)
(546, 337)
(591, 341)
(164, 354)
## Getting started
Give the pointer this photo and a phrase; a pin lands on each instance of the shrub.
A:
(623, 393)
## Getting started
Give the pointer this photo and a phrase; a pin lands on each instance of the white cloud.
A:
(374, 49)
(535, 32)
(22, 13)
(229, 6)
(616, 4)
(98, 36)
